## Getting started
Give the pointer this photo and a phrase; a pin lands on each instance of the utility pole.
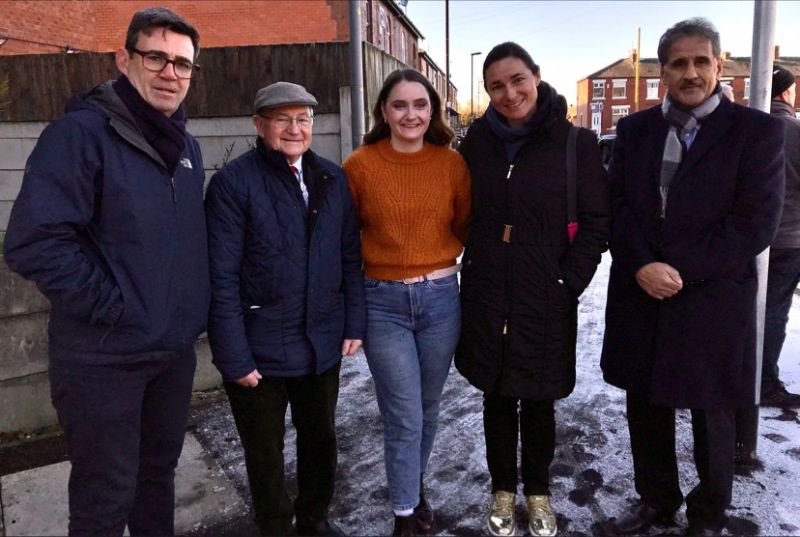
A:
(447, 53)
(471, 87)
(636, 70)
(356, 74)
(760, 92)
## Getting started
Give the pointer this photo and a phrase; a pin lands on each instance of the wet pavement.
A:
(591, 475)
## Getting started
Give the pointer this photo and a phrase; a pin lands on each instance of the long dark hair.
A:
(438, 133)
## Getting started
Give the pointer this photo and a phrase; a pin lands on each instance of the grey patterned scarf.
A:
(680, 123)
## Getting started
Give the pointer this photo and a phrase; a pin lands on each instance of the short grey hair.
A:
(694, 27)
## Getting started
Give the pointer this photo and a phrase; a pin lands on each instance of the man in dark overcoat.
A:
(697, 185)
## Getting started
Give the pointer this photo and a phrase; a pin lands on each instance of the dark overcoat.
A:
(519, 297)
(696, 349)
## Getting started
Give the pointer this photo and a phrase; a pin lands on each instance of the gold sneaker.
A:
(541, 520)
(501, 520)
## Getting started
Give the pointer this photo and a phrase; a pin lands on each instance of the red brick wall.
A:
(231, 23)
(100, 25)
(53, 24)
(392, 38)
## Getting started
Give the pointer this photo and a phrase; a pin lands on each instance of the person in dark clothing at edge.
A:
(522, 275)
(784, 253)
(696, 192)
(287, 303)
(109, 224)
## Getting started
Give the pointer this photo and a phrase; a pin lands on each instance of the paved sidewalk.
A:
(34, 502)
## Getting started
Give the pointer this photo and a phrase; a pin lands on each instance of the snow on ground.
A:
(592, 477)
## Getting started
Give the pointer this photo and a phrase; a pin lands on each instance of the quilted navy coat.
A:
(286, 281)
(696, 349)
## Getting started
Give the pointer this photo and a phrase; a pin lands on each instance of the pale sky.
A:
(569, 40)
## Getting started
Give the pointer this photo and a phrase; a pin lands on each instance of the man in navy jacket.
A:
(696, 189)
(109, 224)
(287, 303)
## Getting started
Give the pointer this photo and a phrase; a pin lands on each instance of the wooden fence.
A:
(38, 86)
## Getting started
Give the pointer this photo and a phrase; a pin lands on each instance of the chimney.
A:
(776, 52)
(725, 55)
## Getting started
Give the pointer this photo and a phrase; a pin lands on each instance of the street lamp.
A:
(471, 87)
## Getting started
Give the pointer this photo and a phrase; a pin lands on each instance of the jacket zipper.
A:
(506, 238)
(172, 184)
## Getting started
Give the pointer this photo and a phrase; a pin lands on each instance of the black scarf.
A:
(515, 137)
(167, 135)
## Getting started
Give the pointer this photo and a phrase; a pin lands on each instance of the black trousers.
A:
(652, 432)
(507, 420)
(784, 275)
(260, 415)
(124, 425)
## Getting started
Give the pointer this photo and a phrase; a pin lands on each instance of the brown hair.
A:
(438, 133)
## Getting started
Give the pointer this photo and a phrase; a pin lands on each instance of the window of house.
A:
(382, 24)
(618, 88)
(618, 112)
(403, 47)
(747, 88)
(652, 88)
(598, 89)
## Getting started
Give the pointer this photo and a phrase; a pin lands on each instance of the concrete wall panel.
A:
(26, 404)
(23, 345)
(18, 296)
(10, 182)
(5, 214)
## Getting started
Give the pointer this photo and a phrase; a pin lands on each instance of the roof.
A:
(651, 68)
(427, 58)
(403, 17)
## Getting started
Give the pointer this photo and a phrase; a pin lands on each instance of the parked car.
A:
(606, 143)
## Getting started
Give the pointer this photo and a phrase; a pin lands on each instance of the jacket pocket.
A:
(264, 329)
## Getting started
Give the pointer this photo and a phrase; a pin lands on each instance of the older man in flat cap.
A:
(784, 253)
(287, 304)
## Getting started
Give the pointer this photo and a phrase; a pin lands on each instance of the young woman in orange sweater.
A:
(412, 193)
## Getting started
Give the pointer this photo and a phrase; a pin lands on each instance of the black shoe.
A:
(777, 396)
(693, 531)
(405, 526)
(639, 518)
(326, 528)
(423, 513)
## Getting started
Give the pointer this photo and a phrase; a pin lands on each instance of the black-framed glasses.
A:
(156, 62)
(282, 121)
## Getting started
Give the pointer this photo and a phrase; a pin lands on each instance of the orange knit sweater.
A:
(413, 207)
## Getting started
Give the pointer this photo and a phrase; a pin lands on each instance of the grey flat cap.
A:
(283, 94)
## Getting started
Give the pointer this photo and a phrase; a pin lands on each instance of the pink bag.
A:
(572, 230)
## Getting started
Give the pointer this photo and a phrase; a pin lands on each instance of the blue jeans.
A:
(412, 331)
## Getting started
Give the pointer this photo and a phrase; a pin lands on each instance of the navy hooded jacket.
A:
(115, 243)
(286, 280)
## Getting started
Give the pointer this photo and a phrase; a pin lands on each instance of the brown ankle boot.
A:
(423, 513)
(404, 526)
